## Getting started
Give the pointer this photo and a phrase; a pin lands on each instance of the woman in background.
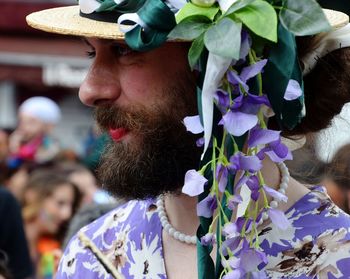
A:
(50, 200)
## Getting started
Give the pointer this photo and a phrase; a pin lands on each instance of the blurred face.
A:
(3, 145)
(57, 209)
(86, 183)
(141, 100)
(339, 196)
(30, 127)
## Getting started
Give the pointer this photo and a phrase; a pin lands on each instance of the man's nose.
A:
(101, 85)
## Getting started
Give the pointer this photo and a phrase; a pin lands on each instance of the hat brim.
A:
(67, 21)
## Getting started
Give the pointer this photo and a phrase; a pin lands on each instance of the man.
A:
(142, 88)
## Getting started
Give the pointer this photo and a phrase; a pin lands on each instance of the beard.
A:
(159, 153)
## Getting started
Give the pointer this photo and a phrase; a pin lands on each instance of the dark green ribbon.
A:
(282, 66)
(160, 20)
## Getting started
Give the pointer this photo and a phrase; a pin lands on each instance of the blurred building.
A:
(36, 63)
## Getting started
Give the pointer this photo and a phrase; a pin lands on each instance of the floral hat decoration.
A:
(246, 54)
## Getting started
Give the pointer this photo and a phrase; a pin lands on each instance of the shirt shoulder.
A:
(119, 235)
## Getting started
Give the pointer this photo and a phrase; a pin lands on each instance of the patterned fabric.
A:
(317, 245)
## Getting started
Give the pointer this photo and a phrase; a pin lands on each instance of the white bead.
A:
(282, 191)
(274, 204)
(284, 185)
(265, 216)
(188, 239)
(161, 214)
(285, 179)
(160, 208)
(171, 231)
(167, 227)
(182, 237)
(194, 239)
(176, 234)
(163, 219)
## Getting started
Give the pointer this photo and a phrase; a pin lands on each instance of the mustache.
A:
(115, 117)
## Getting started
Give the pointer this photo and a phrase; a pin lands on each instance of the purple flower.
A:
(200, 142)
(278, 218)
(251, 258)
(275, 194)
(222, 177)
(246, 43)
(232, 262)
(293, 90)
(238, 123)
(258, 136)
(233, 274)
(254, 186)
(230, 243)
(233, 201)
(247, 163)
(194, 183)
(277, 151)
(230, 230)
(208, 239)
(207, 206)
(193, 124)
(223, 99)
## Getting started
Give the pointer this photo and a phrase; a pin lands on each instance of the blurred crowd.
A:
(46, 193)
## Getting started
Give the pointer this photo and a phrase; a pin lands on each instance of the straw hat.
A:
(67, 21)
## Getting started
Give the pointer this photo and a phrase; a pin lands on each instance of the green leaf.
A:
(224, 38)
(261, 18)
(190, 28)
(192, 10)
(195, 51)
(238, 5)
(303, 17)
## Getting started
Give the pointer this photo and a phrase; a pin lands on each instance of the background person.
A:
(49, 201)
(337, 178)
(31, 140)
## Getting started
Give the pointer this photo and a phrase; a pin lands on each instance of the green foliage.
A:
(196, 50)
(224, 38)
(261, 18)
(190, 28)
(190, 10)
(303, 17)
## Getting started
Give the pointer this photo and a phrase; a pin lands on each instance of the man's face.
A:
(141, 100)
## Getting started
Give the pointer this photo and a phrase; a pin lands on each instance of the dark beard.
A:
(157, 158)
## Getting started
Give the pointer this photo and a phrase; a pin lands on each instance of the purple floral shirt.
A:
(317, 245)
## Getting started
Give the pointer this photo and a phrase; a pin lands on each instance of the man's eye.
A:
(122, 50)
(91, 54)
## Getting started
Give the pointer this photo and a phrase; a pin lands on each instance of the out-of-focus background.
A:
(33, 63)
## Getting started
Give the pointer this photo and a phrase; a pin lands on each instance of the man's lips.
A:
(118, 133)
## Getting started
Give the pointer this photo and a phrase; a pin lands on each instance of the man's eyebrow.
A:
(86, 41)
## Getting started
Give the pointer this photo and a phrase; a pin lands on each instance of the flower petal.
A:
(252, 70)
(207, 206)
(194, 183)
(259, 136)
(293, 90)
(238, 123)
(193, 124)
(275, 194)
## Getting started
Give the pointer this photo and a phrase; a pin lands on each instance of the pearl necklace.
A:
(189, 239)
(282, 189)
(192, 239)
